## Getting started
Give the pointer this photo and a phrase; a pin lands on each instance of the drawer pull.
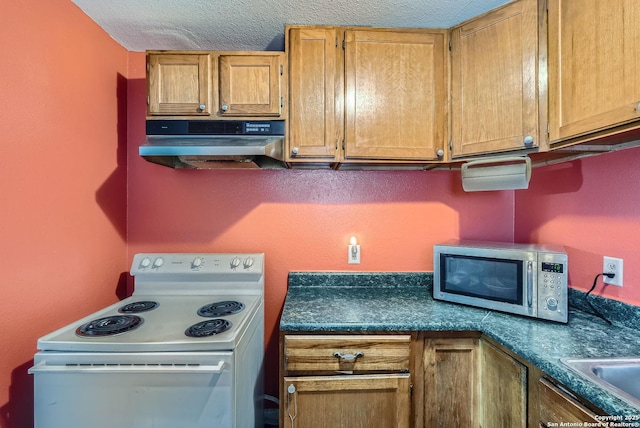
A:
(348, 357)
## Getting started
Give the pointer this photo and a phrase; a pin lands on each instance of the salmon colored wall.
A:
(592, 206)
(63, 186)
(72, 99)
(301, 220)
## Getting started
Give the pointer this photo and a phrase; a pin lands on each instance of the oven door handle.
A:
(128, 368)
(530, 283)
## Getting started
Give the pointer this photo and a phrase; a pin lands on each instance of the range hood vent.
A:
(208, 144)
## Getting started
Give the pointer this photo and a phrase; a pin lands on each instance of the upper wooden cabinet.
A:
(216, 85)
(497, 93)
(250, 85)
(394, 94)
(366, 95)
(179, 84)
(594, 68)
(315, 88)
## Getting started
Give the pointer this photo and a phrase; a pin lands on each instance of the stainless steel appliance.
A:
(524, 279)
(185, 350)
(208, 144)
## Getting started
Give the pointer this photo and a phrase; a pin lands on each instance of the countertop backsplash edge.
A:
(361, 279)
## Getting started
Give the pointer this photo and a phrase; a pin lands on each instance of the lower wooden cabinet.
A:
(345, 381)
(422, 380)
(503, 389)
(347, 401)
(557, 406)
(450, 382)
(469, 382)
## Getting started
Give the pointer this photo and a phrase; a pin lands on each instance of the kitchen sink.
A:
(620, 376)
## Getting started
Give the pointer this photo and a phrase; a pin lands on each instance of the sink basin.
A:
(620, 376)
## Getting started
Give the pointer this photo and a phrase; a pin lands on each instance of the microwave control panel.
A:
(552, 287)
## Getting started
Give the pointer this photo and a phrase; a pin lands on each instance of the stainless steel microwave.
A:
(523, 279)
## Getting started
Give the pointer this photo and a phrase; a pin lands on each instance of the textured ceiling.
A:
(139, 25)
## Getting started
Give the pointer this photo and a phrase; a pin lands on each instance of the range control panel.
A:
(196, 263)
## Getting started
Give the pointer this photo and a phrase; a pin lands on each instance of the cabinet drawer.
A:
(346, 352)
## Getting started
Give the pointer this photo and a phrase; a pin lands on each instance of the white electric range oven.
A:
(185, 350)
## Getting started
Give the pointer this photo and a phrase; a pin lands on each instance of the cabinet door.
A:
(356, 401)
(557, 406)
(250, 85)
(450, 383)
(394, 95)
(179, 84)
(494, 83)
(594, 65)
(315, 93)
(503, 389)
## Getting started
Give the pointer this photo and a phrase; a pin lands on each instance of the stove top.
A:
(161, 329)
(181, 302)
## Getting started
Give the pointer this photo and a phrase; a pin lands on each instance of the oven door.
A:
(159, 390)
(493, 279)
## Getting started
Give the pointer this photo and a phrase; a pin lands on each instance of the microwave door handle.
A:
(530, 283)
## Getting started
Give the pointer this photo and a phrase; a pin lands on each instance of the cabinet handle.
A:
(638, 107)
(224, 107)
(440, 153)
(294, 151)
(202, 107)
(528, 141)
(291, 390)
(348, 357)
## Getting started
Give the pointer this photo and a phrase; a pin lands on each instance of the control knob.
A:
(196, 263)
(235, 262)
(552, 303)
(248, 262)
(158, 262)
(145, 262)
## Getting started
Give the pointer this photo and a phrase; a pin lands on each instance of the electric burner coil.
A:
(109, 326)
(208, 328)
(221, 309)
(137, 307)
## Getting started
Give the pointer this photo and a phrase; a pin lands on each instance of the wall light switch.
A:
(354, 254)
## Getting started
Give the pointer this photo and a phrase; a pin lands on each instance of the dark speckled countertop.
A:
(353, 302)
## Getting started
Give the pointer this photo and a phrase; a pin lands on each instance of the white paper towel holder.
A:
(496, 173)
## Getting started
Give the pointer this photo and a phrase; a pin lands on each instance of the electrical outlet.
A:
(612, 265)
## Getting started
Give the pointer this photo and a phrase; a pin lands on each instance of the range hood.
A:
(212, 144)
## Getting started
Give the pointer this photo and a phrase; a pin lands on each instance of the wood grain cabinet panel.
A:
(394, 95)
(342, 380)
(361, 401)
(322, 352)
(315, 107)
(503, 389)
(557, 406)
(215, 85)
(494, 82)
(179, 84)
(250, 85)
(366, 95)
(594, 66)
(450, 382)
